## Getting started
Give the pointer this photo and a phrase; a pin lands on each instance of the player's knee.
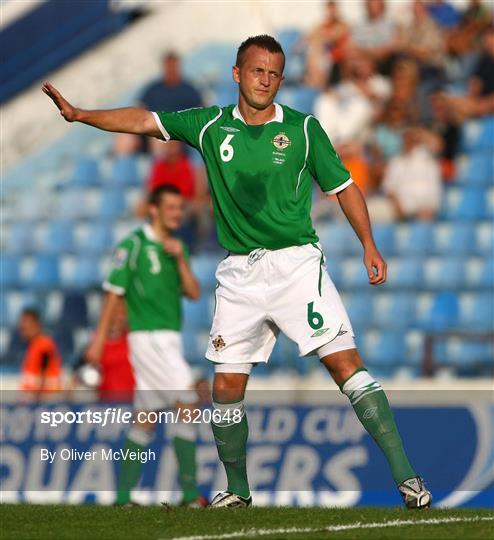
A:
(342, 364)
(229, 386)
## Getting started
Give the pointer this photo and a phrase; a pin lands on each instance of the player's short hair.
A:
(263, 41)
(170, 55)
(155, 195)
(31, 312)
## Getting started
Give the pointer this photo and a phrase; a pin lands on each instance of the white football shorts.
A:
(163, 376)
(260, 294)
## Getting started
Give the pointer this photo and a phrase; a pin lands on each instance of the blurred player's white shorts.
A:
(265, 292)
(161, 372)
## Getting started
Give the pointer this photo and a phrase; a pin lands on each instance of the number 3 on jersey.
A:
(226, 149)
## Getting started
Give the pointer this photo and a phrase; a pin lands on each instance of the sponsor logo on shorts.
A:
(218, 343)
(320, 332)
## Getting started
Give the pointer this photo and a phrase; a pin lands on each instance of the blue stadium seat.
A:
(384, 236)
(125, 172)
(478, 313)
(86, 173)
(478, 135)
(300, 98)
(210, 64)
(71, 205)
(479, 169)
(288, 39)
(20, 238)
(339, 239)
(225, 94)
(443, 314)
(385, 348)
(393, 311)
(360, 309)
(471, 205)
(456, 239)
(59, 238)
(45, 274)
(295, 64)
(204, 267)
(113, 204)
(34, 205)
(64, 339)
(86, 274)
(354, 274)
(98, 239)
(197, 314)
(406, 272)
(486, 275)
(4, 310)
(415, 239)
(447, 273)
(74, 310)
(16, 350)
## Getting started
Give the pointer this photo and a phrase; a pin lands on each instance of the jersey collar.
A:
(278, 114)
(149, 233)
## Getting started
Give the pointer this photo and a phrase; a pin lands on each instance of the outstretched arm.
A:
(353, 205)
(127, 120)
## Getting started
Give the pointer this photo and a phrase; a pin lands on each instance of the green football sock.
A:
(130, 470)
(185, 451)
(230, 434)
(372, 408)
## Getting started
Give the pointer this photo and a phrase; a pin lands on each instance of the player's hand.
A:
(66, 109)
(376, 266)
(173, 247)
(93, 353)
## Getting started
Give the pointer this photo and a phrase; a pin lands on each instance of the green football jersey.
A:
(260, 177)
(149, 279)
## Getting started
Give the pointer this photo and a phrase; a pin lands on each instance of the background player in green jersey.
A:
(150, 269)
(260, 158)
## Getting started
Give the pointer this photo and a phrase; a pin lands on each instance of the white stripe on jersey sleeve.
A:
(340, 188)
(109, 287)
(166, 135)
(203, 130)
(306, 135)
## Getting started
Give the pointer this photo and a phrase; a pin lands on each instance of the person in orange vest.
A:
(41, 369)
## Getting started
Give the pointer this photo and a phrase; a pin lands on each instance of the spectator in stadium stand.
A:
(479, 100)
(376, 35)
(464, 40)
(443, 133)
(387, 138)
(117, 377)
(423, 41)
(326, 48)
(346, 112)
(41, 370)
(412, 183)
(168, 93)
(444, 14)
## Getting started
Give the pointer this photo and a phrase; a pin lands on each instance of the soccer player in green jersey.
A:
(261, 158)
(151, 271)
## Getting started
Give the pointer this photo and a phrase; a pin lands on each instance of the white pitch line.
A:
(334, 528)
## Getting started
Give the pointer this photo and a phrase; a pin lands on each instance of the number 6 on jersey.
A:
(226, 149)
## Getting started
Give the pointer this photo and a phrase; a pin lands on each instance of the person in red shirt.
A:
(117, 376)
(41, 369)
(117, 381)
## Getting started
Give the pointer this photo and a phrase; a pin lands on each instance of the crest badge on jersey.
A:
(120, 257)
(281, 141)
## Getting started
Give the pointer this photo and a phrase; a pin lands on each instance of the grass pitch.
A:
(153, 523)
